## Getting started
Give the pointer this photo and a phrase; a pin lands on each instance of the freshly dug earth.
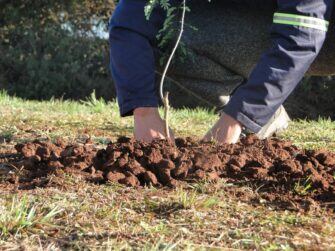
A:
(276, 168)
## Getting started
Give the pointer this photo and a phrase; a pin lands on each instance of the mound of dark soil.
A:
(272, 165)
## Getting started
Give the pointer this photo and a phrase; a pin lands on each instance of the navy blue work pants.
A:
(297, 34)
(132, 40)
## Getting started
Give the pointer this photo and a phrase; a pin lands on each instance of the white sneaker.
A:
(278, 123)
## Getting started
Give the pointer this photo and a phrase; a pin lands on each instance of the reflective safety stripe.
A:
(303, 21)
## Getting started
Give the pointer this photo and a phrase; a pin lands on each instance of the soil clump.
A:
(277, 169)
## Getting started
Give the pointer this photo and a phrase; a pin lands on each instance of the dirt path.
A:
(277, 169)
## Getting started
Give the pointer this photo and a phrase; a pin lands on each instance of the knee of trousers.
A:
(299, 32)
(129, 14)
(303, 22)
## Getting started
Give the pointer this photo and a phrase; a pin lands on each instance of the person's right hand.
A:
(148, 125)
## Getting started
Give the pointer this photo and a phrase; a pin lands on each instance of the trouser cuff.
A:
(243, 119)
(127, 108)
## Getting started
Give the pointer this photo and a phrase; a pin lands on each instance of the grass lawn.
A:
(198, 217)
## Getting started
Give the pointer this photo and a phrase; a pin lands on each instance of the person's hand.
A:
(226, 130)
(148, 125)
